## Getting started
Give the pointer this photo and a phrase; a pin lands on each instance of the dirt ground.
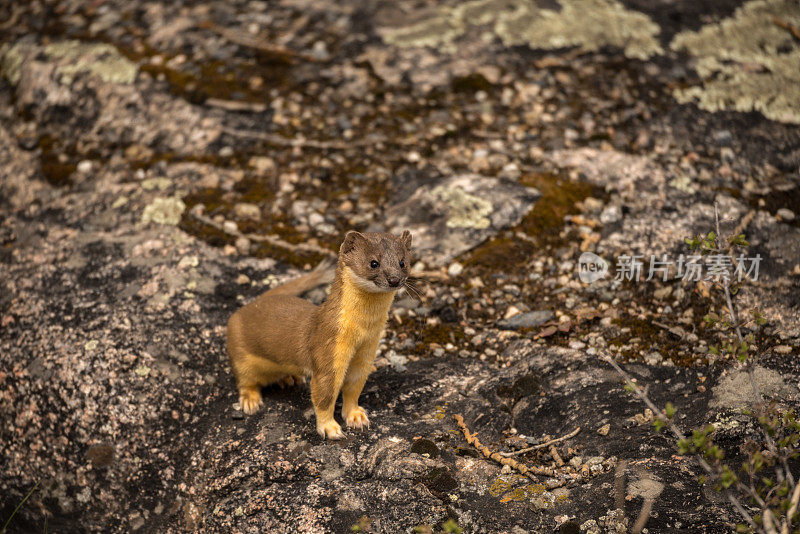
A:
(162, 163)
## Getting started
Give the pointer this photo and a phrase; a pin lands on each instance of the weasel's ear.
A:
(405, 237)
(351, 240)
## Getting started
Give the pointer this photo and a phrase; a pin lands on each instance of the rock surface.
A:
(161, 164)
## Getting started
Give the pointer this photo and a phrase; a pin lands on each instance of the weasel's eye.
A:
(374, 264)
(402, 264)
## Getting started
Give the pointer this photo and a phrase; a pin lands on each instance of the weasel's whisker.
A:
(413, 291)
(413, 285)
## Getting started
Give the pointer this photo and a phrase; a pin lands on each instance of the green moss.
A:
(471, 83)
(543, 224)
(747, 62)
(225, 80)
(651, 338)
(776, 199)
(441, 334)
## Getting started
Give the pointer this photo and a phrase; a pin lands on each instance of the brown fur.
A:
(279, 337)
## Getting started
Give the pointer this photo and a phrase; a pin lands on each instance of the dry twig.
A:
(556, 456)
(472, 439)
(236, 105)
(787, 524)
(242, 39)
(307, 248)
(543, 445)
(279, 140)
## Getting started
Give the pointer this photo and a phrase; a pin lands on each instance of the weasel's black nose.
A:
(393, 281)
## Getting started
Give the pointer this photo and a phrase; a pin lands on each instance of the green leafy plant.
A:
(764, 480)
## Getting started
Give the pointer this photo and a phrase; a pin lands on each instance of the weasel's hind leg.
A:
(252, 373)
(291, 380)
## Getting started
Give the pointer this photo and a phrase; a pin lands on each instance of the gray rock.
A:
(785, 214)
(735, 391)
(456, 214)
(526, 320)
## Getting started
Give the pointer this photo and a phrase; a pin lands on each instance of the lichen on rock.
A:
(99, 59)
(747, 62)
(164, 211)
(465, 210)
(458, 213)
(74, 57)
(11, 59)
(590, 24)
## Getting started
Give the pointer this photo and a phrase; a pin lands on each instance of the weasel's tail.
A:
(321, 274)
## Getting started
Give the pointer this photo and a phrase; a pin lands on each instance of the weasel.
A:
(279, 337)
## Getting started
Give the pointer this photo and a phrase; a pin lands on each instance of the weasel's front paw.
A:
(330, 430)
(250, 399)
(357, 418)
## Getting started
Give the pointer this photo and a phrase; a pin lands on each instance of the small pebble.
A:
(85, 166)
(785, 215)
(455, 269)
(243, 245)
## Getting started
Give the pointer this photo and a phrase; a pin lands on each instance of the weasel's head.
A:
(377, 263)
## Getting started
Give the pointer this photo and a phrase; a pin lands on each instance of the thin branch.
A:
(787, 522)
(734, 313)
(3, 530)
(679, 434)
(279, 140)
(472, 439)
(308, 248)
(542, 445)
(236, 105)
(769, 522)
(242, 39)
